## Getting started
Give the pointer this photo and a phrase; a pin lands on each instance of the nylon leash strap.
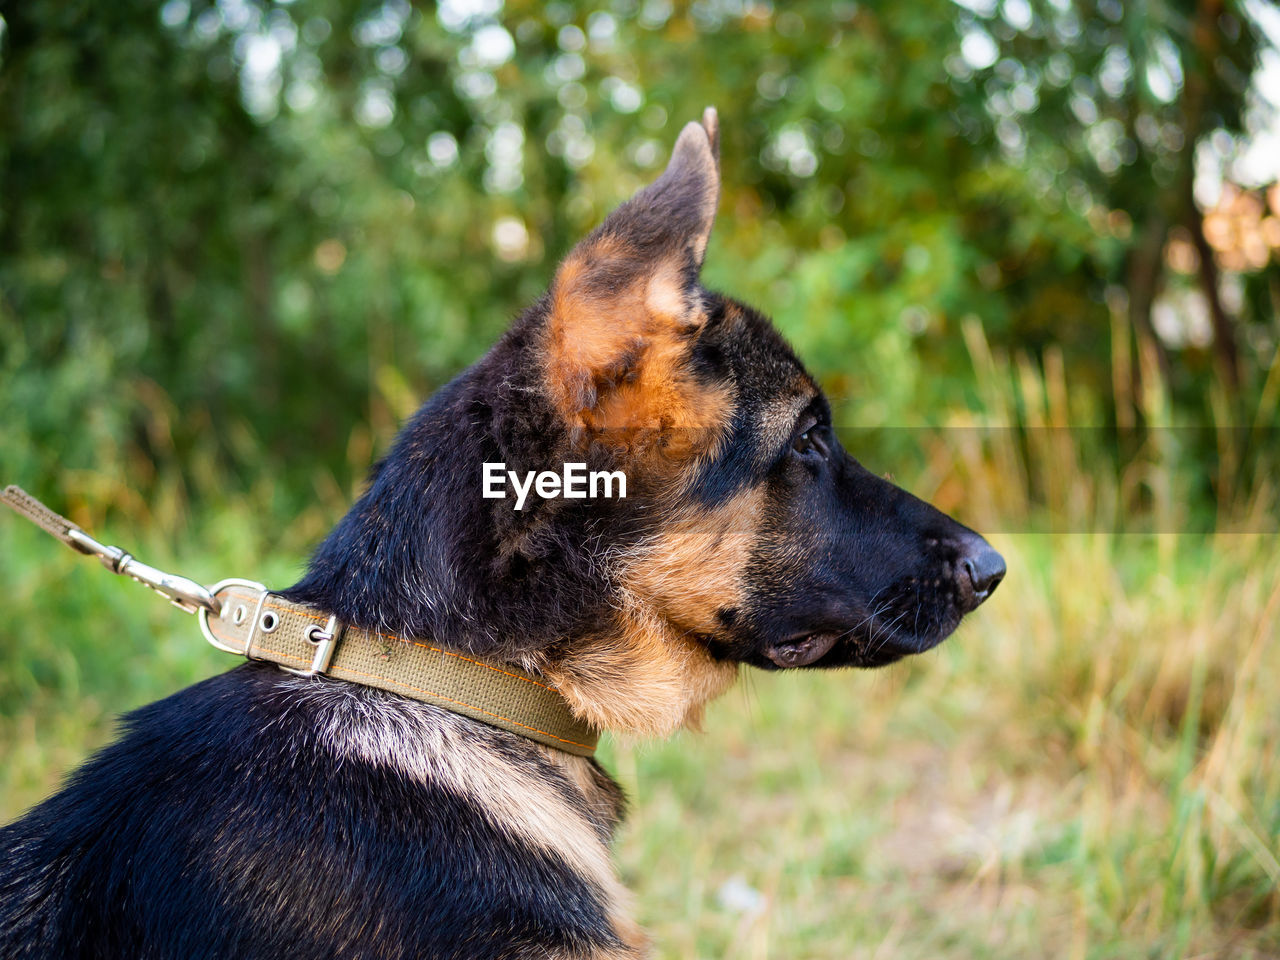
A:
(244, 618)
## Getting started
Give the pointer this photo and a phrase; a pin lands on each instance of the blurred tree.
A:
(1119, 97)
(240, 238)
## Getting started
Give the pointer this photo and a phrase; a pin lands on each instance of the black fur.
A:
(421, 554)
(220, 827)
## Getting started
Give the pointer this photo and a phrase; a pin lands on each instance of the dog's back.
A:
(260, 815)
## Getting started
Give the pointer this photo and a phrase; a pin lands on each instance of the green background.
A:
(240, 242)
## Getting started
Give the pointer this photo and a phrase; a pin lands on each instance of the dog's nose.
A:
(985, 568)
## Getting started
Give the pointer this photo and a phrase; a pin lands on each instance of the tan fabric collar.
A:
(263, 626)
(244, 618)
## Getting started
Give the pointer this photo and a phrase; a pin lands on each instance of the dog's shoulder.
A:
(258, 814)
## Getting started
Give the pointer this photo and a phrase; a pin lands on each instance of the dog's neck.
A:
(645, 678)
(422, 554)
(406, 560)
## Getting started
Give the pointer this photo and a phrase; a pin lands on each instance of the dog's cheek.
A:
(695, 568)
(651, 673)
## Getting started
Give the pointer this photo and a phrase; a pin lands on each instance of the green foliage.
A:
(242, 238)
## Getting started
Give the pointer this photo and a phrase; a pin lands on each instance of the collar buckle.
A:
(326, 640)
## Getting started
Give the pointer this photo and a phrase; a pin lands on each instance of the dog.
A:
(261, 814)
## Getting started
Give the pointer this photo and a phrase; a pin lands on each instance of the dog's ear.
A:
(626, 305)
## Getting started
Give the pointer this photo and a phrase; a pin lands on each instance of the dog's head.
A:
(747, 535)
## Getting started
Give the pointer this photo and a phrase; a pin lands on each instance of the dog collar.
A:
(261, 625)
(244, 618)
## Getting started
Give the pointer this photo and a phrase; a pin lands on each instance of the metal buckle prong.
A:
(326, 641)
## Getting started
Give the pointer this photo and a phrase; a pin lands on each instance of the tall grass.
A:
(1087, 770)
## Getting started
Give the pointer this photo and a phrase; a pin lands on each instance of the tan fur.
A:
(604, 806)
(623, 322)
(601, 795)
(580, 346)
(622, 326)
(647, 680)
(666, 300)
(653, 676)
(694, 567)
(616, 360)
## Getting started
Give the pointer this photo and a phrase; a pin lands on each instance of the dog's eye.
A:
(810, 443)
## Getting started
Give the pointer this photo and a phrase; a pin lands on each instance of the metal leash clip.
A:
(186, 595)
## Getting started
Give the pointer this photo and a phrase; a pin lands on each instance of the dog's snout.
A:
(984, 568)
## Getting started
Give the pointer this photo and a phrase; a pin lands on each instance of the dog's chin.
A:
(879, 650)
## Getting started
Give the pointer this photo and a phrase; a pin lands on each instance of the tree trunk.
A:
(1225, 348)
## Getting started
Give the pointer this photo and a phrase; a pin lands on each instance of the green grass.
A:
(1087, 769)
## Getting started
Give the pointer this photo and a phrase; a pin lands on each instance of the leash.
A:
(244, 618)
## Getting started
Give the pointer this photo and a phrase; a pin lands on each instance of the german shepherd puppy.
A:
(263, 815)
